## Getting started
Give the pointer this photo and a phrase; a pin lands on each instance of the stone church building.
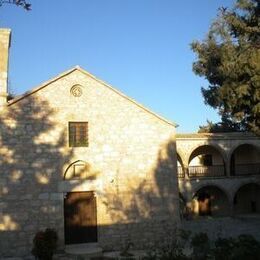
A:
(79, 156)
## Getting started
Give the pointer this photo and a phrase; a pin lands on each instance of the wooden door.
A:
(80, 217)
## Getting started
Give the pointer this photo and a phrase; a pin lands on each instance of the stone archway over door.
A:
(80, 217)
(211, 201)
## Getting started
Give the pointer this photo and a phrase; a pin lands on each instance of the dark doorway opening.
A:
(247, 199)
(204, 204)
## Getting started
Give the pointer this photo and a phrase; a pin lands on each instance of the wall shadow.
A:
(31, 164)
(33, 153)
(143, 209)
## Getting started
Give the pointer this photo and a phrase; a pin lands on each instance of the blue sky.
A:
(141, 47)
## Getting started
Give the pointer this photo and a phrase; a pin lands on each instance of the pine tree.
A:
(229, 58)
(22, 3)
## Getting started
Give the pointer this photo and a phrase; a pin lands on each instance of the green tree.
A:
(22, 3)
(226, 125)
(229, 58)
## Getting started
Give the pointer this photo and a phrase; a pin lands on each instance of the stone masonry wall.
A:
(132, 154)
(5, 35)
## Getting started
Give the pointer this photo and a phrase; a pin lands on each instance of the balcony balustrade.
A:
(181, 173)
(246, 169)
(219, 170)
(207, 171)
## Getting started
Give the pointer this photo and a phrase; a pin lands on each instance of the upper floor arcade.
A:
(219, 174)
(221, 155)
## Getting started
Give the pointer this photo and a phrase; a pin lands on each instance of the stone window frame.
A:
(78, 134)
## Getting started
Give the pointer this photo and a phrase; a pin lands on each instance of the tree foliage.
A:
(226, 125)
(229, 58)
(22, 3)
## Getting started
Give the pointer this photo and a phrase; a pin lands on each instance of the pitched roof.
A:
(78, 68)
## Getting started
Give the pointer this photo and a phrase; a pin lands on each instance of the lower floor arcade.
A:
(219, 199)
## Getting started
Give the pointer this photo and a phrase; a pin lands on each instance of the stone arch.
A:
(221, 186)
(246, 199)
(210, 200)
(206, 160)
(80, 169)
(210, 144)
(245, 159)
(180, 166)
(232, 149)
(181, 155)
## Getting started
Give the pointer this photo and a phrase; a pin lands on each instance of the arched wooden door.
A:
(80, 217)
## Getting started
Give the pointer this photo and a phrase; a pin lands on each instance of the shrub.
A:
(44, 244)
(240, 248)
(246, 247)
(201, 246)
(170, 247)
(223, 248)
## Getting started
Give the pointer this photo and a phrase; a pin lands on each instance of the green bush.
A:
(201, 246)
(240, 248)
(170, 247)
(223, 248)
(44, 244)
(246, 247)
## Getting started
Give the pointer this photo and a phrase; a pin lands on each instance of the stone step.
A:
(83, 251)
(133, 255)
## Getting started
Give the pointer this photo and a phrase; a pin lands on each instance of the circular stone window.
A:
(76, 90)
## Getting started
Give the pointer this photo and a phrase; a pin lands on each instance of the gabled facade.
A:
(78, 156)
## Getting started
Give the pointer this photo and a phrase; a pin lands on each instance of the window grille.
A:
(78, 134)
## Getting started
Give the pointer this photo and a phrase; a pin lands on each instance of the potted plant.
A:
(45, 244)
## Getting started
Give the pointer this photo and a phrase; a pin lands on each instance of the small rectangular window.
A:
(78, 134)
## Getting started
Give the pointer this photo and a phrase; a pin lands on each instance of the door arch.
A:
(247, 199)
(211, 201)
